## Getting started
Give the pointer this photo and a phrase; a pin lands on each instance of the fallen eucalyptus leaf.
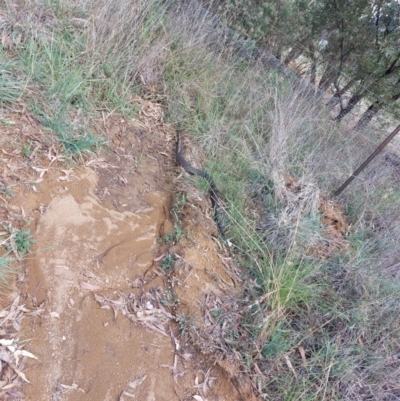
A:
(19, 353)
(137, 382)
(128, 394)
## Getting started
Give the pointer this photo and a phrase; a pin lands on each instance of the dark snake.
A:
(213, 191)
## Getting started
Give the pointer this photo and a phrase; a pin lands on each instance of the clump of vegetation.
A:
(10, 83)
(21, 238)
(167, 262)
(178, 232)
(178, 205)
(6, 190)
(17, 242)
(26, 150)
(5, 270)
(174, 236)
(184, 322)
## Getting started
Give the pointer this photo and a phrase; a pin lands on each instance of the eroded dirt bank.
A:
(104, 302)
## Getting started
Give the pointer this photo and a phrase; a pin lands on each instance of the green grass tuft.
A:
(167, 262)
(11, 87)
(5, 270)
(22, 238)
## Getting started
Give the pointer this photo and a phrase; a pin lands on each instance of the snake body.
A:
(213, 191)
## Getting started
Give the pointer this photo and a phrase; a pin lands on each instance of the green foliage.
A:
(85, 142)
(167, 262)
(67, 82)
(74, 142)
(289, 279)
(6, 191)
(174, 236)
(184, 322)
(5, 269)
(278, 342)
(258, 19)
(306, 304)
(26, 150)
(178, 206)
(180, 202)
(170, 298)
(22, 239)
(11, 87)
(342, 40)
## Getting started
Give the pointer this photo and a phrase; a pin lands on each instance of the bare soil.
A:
(100, 312)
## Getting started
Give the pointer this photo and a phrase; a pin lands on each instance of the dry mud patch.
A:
(99, 312)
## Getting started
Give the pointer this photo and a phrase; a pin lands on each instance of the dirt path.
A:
(98, 233)
(105, 327)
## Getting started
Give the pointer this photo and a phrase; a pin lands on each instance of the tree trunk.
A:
(313, 72)
(313, 75)
(350, 106)
(368, 115)
(333, 101)
(292, 55)
(357, 97)
(327, 78)
(371, 112)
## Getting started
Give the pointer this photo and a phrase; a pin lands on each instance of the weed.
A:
(26, 150)
(10, 85)
(174, 236)
(179, 232)
(168, 238)
(22, 239)
(201, 183)
(5, 269)
(277, 343)
(216, 313)
(179, 204)
(170, 298)
(7, 191)
(6, 122)
(74, 143)
(167, 262)
(184, 322)
(81, 144)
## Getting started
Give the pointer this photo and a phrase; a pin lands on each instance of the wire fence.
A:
(304, 67)
(283, 129)
(345, 152)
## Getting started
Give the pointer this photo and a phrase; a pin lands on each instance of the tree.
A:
(352, 45)
(372, 111)
(377, 69)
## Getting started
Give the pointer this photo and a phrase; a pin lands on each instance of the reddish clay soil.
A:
(100, 312)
